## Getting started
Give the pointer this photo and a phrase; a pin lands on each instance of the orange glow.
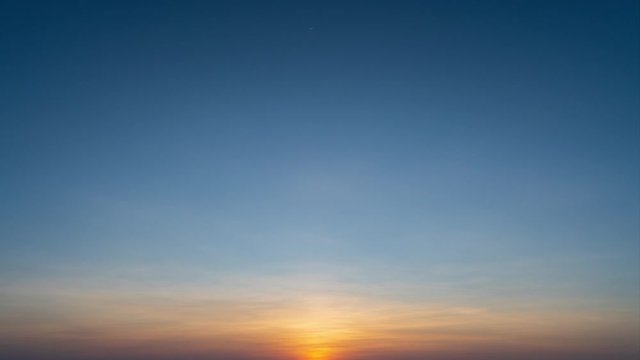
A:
(320, 328)
(318, 354)
(304, 327)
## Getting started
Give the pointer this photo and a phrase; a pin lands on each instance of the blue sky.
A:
(470, 154)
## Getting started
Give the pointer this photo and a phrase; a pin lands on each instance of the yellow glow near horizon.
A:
(318, 354)
(322, 328)
(302, 326)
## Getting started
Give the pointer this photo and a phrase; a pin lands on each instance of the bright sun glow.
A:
(318, 354)
(323, 328)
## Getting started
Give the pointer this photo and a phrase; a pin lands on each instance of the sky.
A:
(319, 180)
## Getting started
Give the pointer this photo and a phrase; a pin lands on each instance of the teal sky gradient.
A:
(472, 154)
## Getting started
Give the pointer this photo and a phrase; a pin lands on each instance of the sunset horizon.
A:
(320, 180)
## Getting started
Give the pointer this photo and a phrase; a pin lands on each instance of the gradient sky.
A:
(319, 180)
